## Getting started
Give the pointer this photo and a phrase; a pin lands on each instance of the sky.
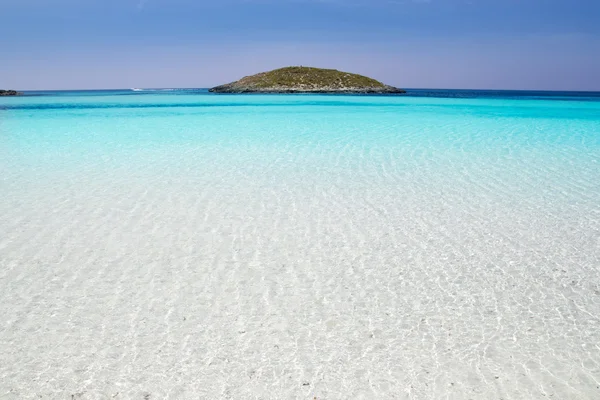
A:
(468, 44)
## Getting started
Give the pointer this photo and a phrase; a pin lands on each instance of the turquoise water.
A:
(181, 244)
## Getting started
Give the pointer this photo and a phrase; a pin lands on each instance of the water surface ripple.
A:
(299, 247)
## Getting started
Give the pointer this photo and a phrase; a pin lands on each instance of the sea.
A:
(179, 244)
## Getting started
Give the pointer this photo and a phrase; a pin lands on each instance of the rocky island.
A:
(307, 80)
(9, 93)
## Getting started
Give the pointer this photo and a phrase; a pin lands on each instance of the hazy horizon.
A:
(454, 44)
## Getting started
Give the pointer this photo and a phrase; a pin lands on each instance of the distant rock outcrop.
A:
(9, 93)
(306, 80)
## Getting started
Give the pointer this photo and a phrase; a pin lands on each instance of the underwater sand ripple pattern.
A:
(300, 247)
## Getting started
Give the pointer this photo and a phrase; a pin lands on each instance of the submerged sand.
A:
(351, 266)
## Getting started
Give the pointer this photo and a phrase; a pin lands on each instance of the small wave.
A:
(158, 90)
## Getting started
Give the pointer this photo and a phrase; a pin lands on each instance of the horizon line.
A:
(404, 88)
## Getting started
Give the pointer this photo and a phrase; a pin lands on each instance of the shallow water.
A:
(187, 245)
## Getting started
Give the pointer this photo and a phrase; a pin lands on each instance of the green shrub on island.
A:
(306, 80)
(9, 93)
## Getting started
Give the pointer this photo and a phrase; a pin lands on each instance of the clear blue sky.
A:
(504, 44)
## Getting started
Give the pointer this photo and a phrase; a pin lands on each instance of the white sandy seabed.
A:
(350, 269)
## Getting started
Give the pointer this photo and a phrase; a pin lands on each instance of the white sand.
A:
(295, 270)
(255, 288)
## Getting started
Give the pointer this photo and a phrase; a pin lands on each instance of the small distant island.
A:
(9, 93)
(307, 80)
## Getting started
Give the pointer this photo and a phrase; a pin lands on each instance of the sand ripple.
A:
(408, 251)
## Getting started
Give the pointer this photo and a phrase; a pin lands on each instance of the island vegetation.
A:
(9, 93)
(306, 80)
